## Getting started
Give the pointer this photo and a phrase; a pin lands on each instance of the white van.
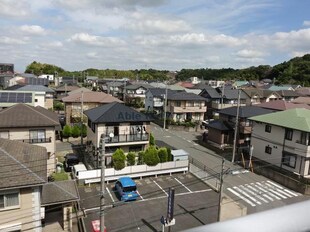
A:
(78, 168)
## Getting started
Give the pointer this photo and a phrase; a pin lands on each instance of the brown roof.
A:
(67, 88)
(22, 115)
(21, 164)
(97, 97)
(282, 105)
(303, 100)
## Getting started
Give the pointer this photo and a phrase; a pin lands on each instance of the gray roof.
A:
(21, 164)
(211, 92)
(185, 97)
(288, 93)
(245, 111)
(59, 192)
(115, 113)
(22, 115)
(179, 152)
(137, 86)
(159, 92)
(233, 94)
(36, 88)
(219, 125)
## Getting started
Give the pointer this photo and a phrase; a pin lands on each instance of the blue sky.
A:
(161, 34)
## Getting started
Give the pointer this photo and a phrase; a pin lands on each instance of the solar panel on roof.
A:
(15, 97)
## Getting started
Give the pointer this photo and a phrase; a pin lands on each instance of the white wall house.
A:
(283, 139)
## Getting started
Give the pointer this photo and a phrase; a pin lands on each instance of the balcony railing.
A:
(43, 140)
(128, 138)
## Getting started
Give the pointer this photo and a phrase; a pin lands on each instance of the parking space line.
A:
(110, 194)
(182, 184)
(160, 187)
(140, 196)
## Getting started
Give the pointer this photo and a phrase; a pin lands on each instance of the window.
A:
(4, 134)
(9, 200)
(289, 159)
(288, 134)
(268, 128)
(268, 149)
(178, 103)
(37, 136)
(305, 138)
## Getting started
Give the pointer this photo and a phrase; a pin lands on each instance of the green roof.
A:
(298, 119)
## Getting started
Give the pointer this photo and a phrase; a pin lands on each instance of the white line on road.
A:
(140, 195)
(110, 194)
(241, 197)
(294, 194)
(160, 187)
(247, 195)
(256, 193)
(266, 190)
(275, 191)
(182, 185)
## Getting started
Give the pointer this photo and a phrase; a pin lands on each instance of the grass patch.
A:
(60, 176)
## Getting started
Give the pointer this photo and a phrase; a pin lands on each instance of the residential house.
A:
(278, 88)
(120, 126)
(304, 91)
(63, 90)
(257, 96)
(66, 80)
(6, 73)
(23, 173)
(240, 84)
(76, 103)
(27, 79)
(283, 140)
(215, 83)
(288, 95)
(135, 93)
(211, 97)
(280, 105)
(9, 98)
(49, 77)
(302, 100)
(221, 132)
(155, 98)
(34, 125)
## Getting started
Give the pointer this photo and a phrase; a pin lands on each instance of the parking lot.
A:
(195, 204)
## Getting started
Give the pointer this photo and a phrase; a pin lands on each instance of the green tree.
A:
(131, 159)
(58, 106)
(83, 130)
(75, 131)
(151, 156)
(118, 159)
(66, 132)
(141, 157)
(163, 154)
(152, 140)
(169, 154)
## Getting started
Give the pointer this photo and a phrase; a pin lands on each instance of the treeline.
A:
(294, 71)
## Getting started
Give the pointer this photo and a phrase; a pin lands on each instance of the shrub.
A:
(163, 154)
(152, 140)
(66, 132)
(141, 157)
(75, 131)
(131, 158)
(83, 130)
(169, 153)
(118, 159)
(151, 156)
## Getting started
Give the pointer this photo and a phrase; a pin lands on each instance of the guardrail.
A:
(93, 176)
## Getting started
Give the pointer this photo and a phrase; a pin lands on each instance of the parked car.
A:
(78, 168)
(126, 188)
(71, 159)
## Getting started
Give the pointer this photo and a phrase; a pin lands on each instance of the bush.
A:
(152, 140)
(83, 130)
(118, 159)
(75, 131)
(66, 132)
(151, 156)
(141, 157)
(163, 154)
(169, 153)
(131, 159)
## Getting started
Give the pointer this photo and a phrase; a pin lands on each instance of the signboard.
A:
(170, 210)
(96, 226)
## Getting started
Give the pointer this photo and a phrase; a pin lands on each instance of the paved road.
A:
(255, 192)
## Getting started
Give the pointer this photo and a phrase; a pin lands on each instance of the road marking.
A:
(241, 197)
(266, 190)
(275, 192)
(182, 185)
(110, 194)
(283, 190)
(256, 193)
(160, 187)
(140, 195)
(243, 191)
(278, 186)
(188, 140)
(294, 194)
(263, 191)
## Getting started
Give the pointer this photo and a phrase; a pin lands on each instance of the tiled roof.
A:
(97, 97)
(115, 112)
(21, 164)
(245, 111)
(219, 125)
(59, 192)
(211, 92)
(281, 105)
(304, 100)
(233, 94)
(298, 119)
(159, 92)
(137, 86)
(22, 115)
(36, 88)
(67, 88)
(79, 90)
(185, 97)
(288, 93)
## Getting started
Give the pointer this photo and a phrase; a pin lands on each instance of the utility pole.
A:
(82, 105)
(222, 100)
(102, 186)
(124, 96)
(220, 191)
(165, 106)
(236, 128)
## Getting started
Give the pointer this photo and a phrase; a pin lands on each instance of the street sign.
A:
(170, 205)
(96, 226)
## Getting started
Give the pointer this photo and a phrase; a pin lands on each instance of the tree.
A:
(131, 159)
(75, 131)
(58, 106)
(83, 130)
(152, 140)
(170, 158)
(151, 156)
(118, 159)
(141, 157)
(66, 132)
(163, 154)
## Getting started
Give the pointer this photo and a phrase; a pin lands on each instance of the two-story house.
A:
(135, 92)
(280, 105)
(155, 99)
(76, 103)
(34, 125)
(283, 140)
(288, 95)
(257, 96)
(221, 131)
(23, 173)
(211, 97)
(120, 126)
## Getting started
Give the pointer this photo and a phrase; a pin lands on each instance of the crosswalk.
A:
(264, 192)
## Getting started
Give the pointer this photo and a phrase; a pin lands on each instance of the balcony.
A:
(218, 106)
(128, 138)
(31, 141)
(188, 109)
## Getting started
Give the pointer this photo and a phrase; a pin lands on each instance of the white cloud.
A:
(13, 8)
(306, 23)
(92, 55)
(85, 38)
(246, 53)
(11, 41)
(55, 44)
(33, 29)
